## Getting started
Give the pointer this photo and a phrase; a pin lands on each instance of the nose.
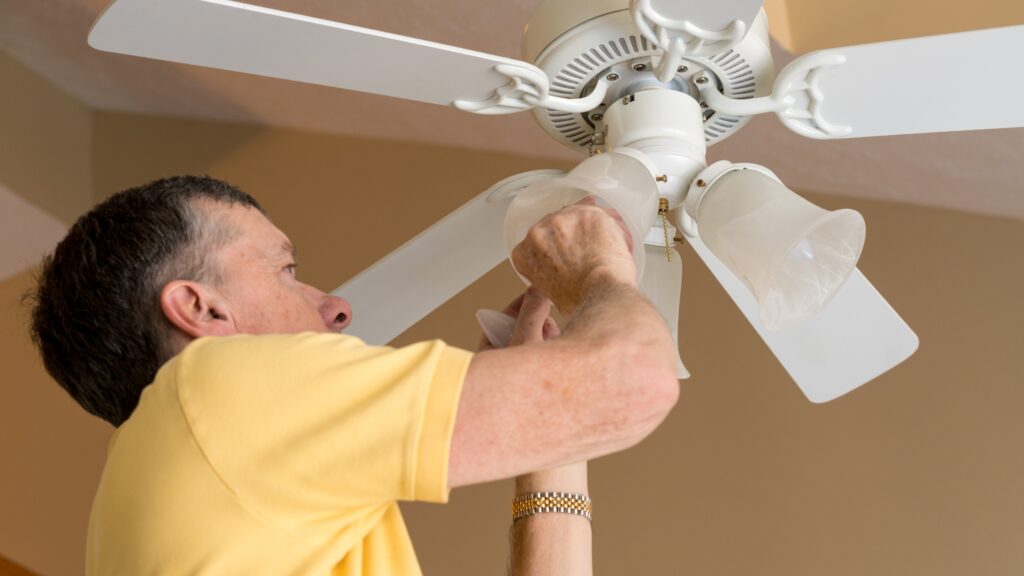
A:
(336, 312)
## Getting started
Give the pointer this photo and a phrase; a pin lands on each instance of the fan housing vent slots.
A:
(575, 61)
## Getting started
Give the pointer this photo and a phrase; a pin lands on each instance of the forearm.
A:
(552, 543)
(602, 386)
(613, 310)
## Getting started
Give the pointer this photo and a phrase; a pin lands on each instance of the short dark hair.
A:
(97, 319)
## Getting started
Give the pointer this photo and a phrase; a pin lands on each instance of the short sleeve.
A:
(309, 425)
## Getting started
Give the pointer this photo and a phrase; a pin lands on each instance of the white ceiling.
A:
(974, 171)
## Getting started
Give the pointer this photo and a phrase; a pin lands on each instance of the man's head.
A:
(151, 269)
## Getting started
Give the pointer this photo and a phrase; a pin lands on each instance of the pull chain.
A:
(663, 212)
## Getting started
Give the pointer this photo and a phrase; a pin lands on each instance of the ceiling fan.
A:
(641, 88)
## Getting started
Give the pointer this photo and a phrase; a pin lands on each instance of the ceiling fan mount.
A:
(577, 43)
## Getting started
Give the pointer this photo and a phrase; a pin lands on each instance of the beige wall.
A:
(804, 25)
(44, 142)
(51, 450)
(916, 473)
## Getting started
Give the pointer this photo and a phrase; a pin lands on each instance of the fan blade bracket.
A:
(798, 86)
(529, 87)
(796, 97)
(679, 38)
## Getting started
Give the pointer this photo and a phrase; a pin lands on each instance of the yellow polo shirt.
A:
(280, 454)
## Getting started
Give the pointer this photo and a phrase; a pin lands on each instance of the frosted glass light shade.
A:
(792, 254)
(662, 282)
(618, 180)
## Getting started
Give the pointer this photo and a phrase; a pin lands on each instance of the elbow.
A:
(661, 392)
(656, 378)
(648, 390)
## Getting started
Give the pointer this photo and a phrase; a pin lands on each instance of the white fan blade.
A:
(662, 282)
(855, 338)
(964, 81)
(256, 40)
(417, 277)
(711, 15)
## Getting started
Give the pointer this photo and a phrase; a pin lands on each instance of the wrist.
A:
(568, 478)
(602, 279)
(603, 276)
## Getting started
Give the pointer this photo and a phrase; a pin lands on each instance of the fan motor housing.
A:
(576, 42)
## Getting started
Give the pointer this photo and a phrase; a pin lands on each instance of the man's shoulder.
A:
(220, 378)
(217, 365)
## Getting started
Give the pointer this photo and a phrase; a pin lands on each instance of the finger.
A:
(530, 325)
(614, 214)
(513, 308)
(485, 344)
(623, 227)
(551, 329)
(627, 235)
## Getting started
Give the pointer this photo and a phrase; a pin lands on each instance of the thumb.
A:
(530, 323)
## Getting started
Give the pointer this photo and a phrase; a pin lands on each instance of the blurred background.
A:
(918, 472)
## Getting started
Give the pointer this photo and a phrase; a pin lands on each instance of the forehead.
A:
(250, 233)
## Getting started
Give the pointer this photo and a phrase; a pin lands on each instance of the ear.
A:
(196, 309)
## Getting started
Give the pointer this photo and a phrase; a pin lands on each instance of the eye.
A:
(290, 269)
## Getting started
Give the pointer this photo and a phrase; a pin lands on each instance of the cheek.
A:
(276, 306)
(303, 312)
(274, 311)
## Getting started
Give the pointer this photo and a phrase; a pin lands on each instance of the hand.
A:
(532, 312)
(569, 250)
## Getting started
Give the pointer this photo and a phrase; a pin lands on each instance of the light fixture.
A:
(620, 179)
(662, 282)
(793, 255)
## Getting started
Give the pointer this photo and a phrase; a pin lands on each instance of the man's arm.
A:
(550, 543)
(605, 384)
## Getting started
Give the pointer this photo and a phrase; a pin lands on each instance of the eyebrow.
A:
(289, 248)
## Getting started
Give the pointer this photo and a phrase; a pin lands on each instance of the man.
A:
(254, 438)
